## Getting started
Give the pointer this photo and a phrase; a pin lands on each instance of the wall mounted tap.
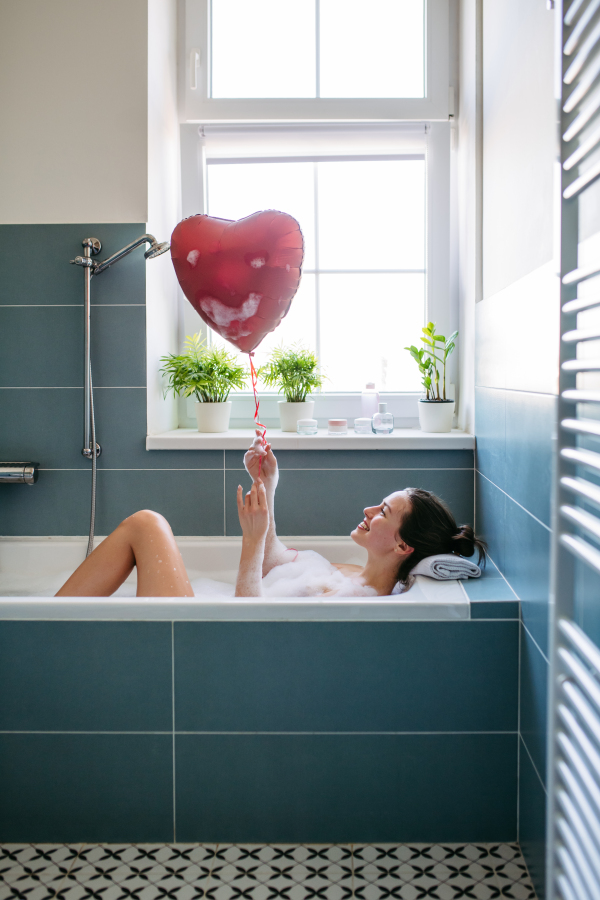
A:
(18, 472)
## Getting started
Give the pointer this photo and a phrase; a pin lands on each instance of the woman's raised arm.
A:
(275, 550)
(254, 519)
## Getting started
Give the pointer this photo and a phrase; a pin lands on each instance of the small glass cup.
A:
(363, 426)
(306, 426)
(338, 426)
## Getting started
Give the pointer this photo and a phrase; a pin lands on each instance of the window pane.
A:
(240, 189)
(298, 325)
(371, 50)
(263, 48)
(366, 321)
(372, 214)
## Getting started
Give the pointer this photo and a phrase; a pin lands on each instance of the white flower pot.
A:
(289, 413)
(436, 415)
(213, 417)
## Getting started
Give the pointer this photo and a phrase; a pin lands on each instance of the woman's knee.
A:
(147, 521)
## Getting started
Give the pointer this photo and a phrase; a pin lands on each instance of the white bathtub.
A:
(32, 570)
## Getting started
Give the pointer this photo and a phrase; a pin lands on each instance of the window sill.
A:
(241, 438)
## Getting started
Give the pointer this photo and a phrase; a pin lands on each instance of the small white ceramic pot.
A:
(289, 413)
(436, 415)
(213, 417)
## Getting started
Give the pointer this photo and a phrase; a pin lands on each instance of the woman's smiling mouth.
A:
(364, 525)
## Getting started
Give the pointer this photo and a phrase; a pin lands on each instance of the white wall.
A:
(468, 165)
(520, 132)
(73, 111)
(164, 205)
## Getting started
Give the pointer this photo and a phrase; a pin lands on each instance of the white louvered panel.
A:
(574, 825)
(577, 766)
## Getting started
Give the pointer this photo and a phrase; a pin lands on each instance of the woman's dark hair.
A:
(429, 528)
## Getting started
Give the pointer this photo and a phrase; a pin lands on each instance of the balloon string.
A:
(257, 422)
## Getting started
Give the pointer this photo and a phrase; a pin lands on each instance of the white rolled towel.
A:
(443, 566)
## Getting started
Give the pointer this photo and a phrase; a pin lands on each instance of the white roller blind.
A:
(248, 142)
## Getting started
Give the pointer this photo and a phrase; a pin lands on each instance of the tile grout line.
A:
(503, 576)
(518, 737)
(516, 502)
(534, 641)
(173, 728)
(276, 733)
(198, 469)
(534, 765)
(68, 872)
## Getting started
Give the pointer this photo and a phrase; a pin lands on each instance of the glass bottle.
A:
(369, 401)
(383, 421)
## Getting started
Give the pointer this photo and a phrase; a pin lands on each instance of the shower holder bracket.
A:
(87, 452)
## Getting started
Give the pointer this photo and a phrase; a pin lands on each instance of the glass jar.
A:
(306, 426)
(338, 426)
(363, 426)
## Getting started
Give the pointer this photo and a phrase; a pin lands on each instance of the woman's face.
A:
(379, 530)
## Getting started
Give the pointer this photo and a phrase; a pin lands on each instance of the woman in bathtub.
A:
(406, 527)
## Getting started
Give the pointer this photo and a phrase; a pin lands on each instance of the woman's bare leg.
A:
(144, 540)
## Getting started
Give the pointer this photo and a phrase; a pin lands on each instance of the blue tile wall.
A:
(346, 788)
(85, 676)
(41, 405)
(114, 678)
(263, 731)
(97, 788)
(331, 501)
(533, 701)
(363, 676)
(532, 822)
(514, 462)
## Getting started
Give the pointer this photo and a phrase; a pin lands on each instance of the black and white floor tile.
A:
(263, 872)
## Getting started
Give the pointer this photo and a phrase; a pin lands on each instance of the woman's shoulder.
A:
(347, 568)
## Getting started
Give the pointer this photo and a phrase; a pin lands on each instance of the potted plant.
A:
(295, 371)
(208, 374)
(435, 411)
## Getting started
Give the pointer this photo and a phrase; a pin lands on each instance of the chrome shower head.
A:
(156, 250)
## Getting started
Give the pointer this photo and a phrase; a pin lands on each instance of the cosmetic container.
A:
(306, 426)
(363, 426)
(338, 426)
(383, 421)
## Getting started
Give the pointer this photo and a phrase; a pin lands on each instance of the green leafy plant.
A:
(437, 349)
(294, 370)
(425, 366)
(207, 373)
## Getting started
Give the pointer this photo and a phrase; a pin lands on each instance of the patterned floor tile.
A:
(521, 890)
(263, 872)
(503, 853)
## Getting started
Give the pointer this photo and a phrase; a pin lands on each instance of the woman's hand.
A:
(269, 472)
(254, 513)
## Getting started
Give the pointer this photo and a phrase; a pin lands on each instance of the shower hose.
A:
(90, 545)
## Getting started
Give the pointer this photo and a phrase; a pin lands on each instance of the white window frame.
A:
(435, 111)
(198, 106)
(437, 269)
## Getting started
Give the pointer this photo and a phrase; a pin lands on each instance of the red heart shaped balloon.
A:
(239, 276)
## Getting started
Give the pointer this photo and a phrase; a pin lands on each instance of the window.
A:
(363, 281)
(312, 45)
(316, 60)
(371, 192)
